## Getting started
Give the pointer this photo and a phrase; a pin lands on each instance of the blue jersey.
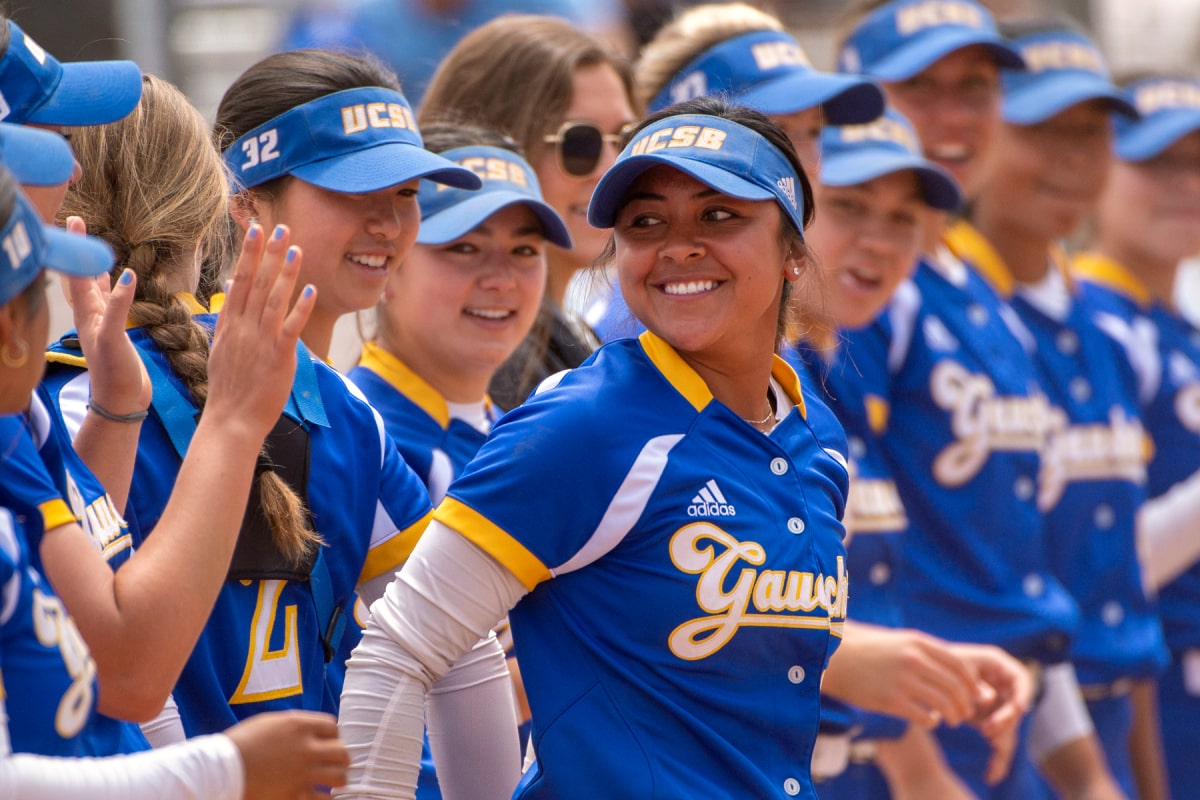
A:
(699, 582)
(47, 675)
(42, 470)
(1169, 389)
(436, 445)
(875, 518)
(966, 421)
(261, 649)
(1093, 476)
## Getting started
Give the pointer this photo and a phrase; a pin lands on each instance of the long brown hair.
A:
(515, 75)
(154, 188)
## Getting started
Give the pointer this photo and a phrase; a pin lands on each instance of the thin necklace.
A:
(770, 412)
(758, 422)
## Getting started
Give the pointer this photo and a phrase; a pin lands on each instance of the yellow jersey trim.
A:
(688, 382)
(493, 540)
(783, 373)
(1107, 272)
(216, 303)
(408, 383)
(66, 358)
(55, 514)
(678, 372)
(388, 556)
(970, 245)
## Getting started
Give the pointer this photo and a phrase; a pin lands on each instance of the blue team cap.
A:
(448, 213)
(27, 246)
(1169, 109)
(36, 88)
(855, 154)
(354, 141)
(35, 157)
(1063, 68)
(722, 155)
(898, 40)
(768, 71)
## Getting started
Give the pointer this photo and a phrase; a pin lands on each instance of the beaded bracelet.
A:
(136, 416)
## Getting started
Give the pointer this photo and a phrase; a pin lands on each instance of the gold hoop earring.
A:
(11, 361)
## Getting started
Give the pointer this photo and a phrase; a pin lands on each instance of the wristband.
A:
(136, 416)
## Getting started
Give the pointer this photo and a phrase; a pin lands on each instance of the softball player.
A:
(1051, 160)
(737, 51)
(873, 192)
(275, 623)
(49, 691)
(627, 630)
(453, 312)
(565, 97)
(1147, 221)
(966, 419)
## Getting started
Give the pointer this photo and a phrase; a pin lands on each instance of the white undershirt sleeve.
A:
(167, 727)
(205, 768)
(1168, 533)
(1060, 716)
(433, 616)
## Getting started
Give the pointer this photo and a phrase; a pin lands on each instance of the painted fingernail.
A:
(308, 290)
(291, 254)
(253, 232)
(278, 233)
(126, 276)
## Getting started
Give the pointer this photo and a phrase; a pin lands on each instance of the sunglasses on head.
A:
(579, 144)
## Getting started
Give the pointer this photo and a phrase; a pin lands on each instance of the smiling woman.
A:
(311, 135)
(618, 607)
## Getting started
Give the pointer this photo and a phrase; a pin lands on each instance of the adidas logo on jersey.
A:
(709, 502)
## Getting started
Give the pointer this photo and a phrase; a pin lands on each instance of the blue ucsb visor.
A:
(354, 141)
(1169, 109)
(1063, 68)
(855, 154)
(448, 213)
(27, 246)
(36, 88)
(900, 39)
(723, 155)
(35, 157)
(769, 72)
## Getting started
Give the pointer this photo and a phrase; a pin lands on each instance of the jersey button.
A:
(796, 674)
(1067, 343)
(880, 573)
(978, 315)
(1033, 585)
(779, 466)
(796, 525)
(1023, 487)
(1081, 389)
(1104, 516)
(857, 447)
(792, 787)
(1112, 614)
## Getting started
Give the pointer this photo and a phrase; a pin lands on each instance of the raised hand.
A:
(253, 356)
(290, 754)
(119, 382)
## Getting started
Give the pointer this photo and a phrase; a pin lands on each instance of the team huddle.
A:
(723, 428)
